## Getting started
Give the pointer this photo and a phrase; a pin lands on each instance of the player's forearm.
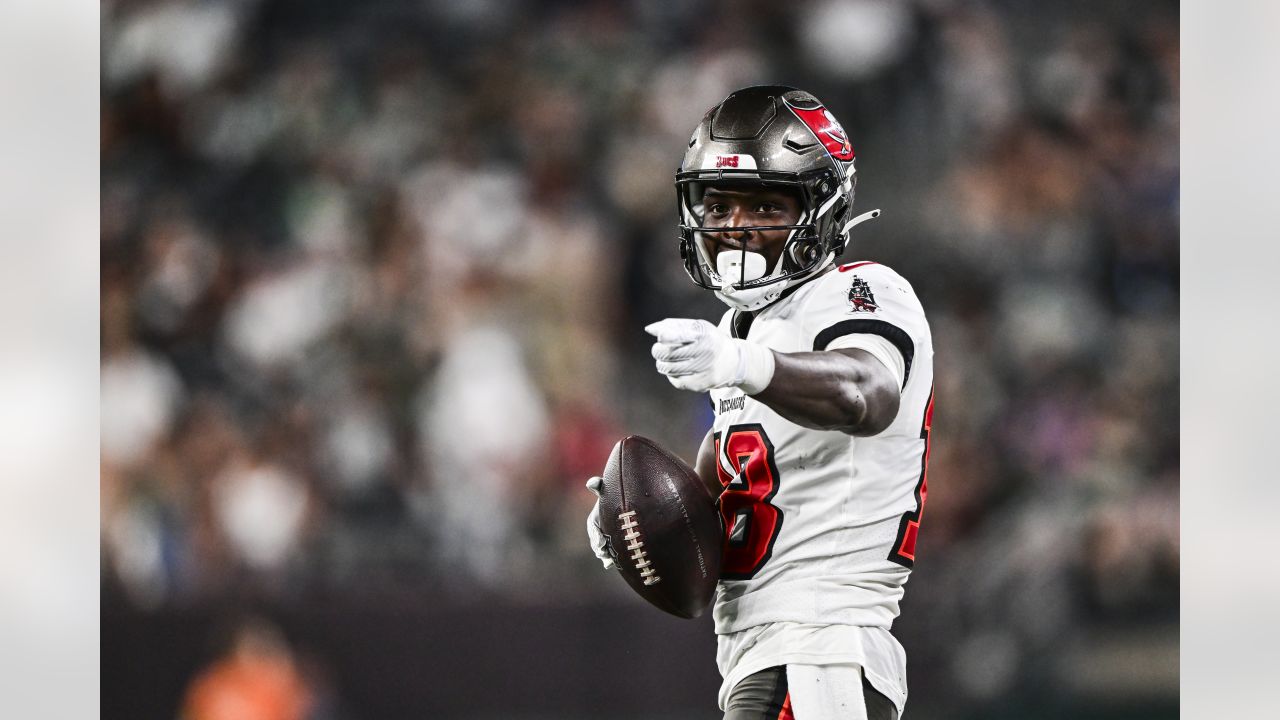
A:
(834, 390)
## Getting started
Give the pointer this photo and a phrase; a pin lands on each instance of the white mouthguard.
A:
(736, 266)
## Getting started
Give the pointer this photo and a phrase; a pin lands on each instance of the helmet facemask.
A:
(742, 280)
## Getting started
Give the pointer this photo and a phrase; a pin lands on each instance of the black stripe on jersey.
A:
(892, 333)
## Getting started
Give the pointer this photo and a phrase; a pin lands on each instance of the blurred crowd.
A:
(374, 277)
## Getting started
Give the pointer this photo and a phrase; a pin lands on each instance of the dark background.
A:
(373, 283)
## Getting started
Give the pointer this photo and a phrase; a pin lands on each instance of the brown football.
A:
(663, 528)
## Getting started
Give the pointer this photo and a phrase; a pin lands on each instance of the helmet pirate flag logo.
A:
(827, 129)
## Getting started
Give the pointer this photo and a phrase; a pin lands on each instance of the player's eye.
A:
(768, 208)
(717, 208)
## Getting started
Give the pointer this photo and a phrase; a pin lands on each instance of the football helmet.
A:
(775, 136)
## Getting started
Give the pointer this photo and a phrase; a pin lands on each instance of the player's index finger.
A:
(671, 330)
(659, 329)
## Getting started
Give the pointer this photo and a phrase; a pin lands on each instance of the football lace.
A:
(636, 546)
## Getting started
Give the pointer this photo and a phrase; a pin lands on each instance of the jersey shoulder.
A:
(865, 298)
(864, 290)
(870, 272)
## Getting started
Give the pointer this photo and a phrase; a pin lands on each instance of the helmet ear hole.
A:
(805, 253)
(839, 217)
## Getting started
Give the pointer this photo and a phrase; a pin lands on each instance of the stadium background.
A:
(373, 283)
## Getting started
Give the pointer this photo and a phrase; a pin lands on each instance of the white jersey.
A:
(821, 525)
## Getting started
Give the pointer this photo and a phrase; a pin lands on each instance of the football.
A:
(663, 528)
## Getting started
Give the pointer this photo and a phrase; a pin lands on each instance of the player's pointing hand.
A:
(696, 355)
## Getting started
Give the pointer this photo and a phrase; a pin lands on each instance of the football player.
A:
(821, 379)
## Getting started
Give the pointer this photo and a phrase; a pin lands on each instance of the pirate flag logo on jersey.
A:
(860, 296)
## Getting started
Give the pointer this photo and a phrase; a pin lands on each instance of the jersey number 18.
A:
(751, 523)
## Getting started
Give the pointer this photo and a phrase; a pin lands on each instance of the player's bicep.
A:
(706, 466)
(880, 390)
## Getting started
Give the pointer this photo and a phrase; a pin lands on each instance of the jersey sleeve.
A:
(871, 307)
(879, 348)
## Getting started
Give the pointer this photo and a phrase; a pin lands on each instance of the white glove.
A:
(696, 355)
(595, 535)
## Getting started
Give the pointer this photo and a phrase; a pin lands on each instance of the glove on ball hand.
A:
(595, 535)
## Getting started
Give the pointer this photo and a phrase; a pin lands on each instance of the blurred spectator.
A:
(260, 509)
(483, 427)
(256, 679)
(140, 396)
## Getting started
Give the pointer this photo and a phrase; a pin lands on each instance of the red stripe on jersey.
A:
(850, 266)
(786, 713)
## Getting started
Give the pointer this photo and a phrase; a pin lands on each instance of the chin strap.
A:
(869, 215)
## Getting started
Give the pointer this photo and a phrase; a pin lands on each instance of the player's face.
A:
(734, 207)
